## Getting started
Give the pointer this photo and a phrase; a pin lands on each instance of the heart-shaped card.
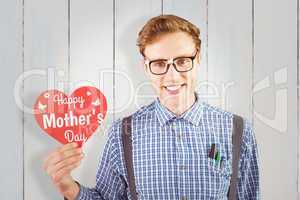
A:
(71, 118)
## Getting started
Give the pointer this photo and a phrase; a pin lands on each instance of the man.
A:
(171, 137)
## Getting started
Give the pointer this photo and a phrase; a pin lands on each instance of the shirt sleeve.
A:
(110, 184)
(248, 183)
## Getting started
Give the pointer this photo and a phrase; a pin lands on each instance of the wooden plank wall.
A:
(250, 66)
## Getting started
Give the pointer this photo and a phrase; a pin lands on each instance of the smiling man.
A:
(181, 148)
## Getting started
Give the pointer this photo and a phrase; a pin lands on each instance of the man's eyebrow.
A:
(159, 59)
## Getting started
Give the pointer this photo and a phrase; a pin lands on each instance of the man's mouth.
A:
(174, 89)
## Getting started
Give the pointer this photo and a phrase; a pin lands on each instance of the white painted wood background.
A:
(250, 66)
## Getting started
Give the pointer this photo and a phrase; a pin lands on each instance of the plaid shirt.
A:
(170, 157)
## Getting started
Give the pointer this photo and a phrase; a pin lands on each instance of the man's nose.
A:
(172, 72)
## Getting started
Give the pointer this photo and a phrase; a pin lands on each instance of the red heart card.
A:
(71, 118)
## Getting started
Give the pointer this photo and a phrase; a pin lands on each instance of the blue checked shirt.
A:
(170, 157)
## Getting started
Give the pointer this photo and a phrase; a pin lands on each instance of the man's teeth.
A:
(173, 88)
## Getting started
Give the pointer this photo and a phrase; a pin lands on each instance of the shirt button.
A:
(183, 198)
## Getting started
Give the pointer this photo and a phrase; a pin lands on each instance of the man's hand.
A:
(59, 165)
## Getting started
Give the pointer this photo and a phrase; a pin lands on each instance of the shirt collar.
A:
(192, 115)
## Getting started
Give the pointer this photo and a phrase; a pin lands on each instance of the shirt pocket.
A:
(219, 178)
(223, 168)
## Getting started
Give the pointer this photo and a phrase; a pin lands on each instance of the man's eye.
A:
(159, 64)
(182, 61)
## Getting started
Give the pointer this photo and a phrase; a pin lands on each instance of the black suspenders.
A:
(127, 148)
(237, 131)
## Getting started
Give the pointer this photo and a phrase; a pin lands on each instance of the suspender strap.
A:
(237, 133)
(127, 147)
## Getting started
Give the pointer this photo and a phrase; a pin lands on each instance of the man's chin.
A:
(172, 100)
(177, 99)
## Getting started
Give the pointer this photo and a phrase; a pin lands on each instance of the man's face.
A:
(173, 88)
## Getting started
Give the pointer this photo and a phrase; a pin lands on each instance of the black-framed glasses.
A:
(181, 64)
